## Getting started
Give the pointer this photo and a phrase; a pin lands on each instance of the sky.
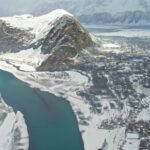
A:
(16, 3)
(14, 7)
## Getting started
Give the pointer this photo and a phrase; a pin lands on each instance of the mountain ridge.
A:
(102, 11)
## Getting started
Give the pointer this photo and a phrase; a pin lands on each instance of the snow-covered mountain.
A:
(57, 36)
(93, 6)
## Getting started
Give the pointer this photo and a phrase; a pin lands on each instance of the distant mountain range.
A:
(135, 12)
(121, 18)
(102, 11)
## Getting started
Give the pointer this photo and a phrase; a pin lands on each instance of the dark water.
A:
(51, 122)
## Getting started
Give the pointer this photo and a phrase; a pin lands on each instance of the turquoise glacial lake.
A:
(51, 122)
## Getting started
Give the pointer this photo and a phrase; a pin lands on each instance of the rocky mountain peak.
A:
(13, 39)
(65, 39)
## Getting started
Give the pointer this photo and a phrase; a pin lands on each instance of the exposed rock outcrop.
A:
(13, 39)
(57, 34)
(64, 41)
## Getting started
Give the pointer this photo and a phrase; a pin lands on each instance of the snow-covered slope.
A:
(35, 25)
(13, 130)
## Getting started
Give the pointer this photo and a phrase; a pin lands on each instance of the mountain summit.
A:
(58, 35)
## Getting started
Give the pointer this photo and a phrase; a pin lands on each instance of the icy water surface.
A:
(51, 122)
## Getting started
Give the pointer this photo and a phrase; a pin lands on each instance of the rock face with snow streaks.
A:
(13, 39)
(65, 40)
(13, 129)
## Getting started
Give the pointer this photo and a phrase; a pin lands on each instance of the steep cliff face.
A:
(13, 39)
(64, 41)
(58, 35)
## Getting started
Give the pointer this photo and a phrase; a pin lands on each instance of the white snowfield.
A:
(28, 60)
(11, 125)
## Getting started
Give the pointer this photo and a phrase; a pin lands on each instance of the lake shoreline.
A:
(67, 91)
(46, 103)
(11, 69)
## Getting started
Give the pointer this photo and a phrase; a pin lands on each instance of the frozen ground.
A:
(11, 125)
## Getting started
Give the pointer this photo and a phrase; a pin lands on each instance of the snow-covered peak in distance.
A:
(110, 6)
(80, 7)
(100, 11)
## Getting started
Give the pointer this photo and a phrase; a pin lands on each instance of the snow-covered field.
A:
(28, 60)
(11, 125)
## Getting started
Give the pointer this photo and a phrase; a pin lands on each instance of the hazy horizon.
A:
(11, 7)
